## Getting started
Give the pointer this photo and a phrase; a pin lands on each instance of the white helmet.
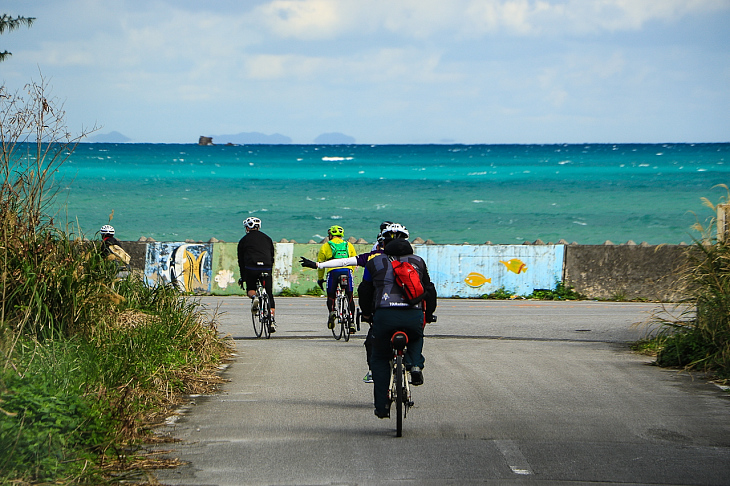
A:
(107, 229)
(252, 223)
(395, 230)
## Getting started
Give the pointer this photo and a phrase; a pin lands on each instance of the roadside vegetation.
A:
(89, 362)
(697, 337)
(560, 292)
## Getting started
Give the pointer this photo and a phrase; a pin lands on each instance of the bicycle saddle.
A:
(399, 340)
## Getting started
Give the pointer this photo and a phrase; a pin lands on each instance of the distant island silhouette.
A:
(334, 138)
(111, 137)
(252, 138)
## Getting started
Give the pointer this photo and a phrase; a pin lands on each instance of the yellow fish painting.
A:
(515, 265)
(475, 279)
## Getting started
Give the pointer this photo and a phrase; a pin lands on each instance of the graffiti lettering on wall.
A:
(188, 266)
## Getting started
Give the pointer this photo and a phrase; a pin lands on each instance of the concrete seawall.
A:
(596, 271)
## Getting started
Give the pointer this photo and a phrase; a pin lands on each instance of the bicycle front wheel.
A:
(399, 395)
(256, 318)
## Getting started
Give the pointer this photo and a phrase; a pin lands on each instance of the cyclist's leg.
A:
(368, 353)
(350, 289)
(385, 322)
(332, 283)
(268, 284)
(369, 339)
(412, 322)
(331, 289)
(350, 300)
(250, 279)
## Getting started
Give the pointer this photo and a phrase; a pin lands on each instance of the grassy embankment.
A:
(89, 363)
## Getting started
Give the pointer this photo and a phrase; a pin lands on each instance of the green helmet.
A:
(336, 231)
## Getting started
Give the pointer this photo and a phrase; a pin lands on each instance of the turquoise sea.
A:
(506, 194)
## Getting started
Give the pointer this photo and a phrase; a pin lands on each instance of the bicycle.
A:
(345, 317)
(399, 390)
(262, 317)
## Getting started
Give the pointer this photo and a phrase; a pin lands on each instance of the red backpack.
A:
(407, 277)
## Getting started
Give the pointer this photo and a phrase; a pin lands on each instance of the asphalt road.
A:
(516, 392)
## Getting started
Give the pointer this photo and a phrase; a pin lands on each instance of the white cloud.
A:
(328, 19)
(269, 67)
(309, 19)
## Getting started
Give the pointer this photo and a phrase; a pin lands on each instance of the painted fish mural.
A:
(475, 279)
(186, 267)
(515, 265)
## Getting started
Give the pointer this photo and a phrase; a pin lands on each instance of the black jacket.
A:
(255, 252)
(381, 291)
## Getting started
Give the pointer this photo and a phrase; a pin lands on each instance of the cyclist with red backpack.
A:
(335, 248)
(390, 300)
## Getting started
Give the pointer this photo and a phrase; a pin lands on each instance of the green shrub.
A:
(288, 292)
(560, 292)
(500, 293)
(51, 428)
(315, 291)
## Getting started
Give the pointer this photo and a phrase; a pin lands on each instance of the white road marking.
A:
(512, 454)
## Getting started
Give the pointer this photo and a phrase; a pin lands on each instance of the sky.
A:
(382, 71)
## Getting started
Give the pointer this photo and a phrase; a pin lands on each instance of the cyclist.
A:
(359, 260)
(335, 247)
(110, 246)
(384, 301)
(256, 256)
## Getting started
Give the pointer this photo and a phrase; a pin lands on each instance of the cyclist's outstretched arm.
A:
(353, 261)
(338, 262)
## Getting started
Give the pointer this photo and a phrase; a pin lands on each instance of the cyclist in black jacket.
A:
(381, 299)
(256, 256)
(111, 249)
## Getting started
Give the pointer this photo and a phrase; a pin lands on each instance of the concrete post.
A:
(723, 222)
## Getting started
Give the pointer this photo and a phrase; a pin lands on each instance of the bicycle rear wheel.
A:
(265, 314)
(399, 398)
(256, 318)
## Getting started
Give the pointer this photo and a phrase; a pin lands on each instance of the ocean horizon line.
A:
(446, 144)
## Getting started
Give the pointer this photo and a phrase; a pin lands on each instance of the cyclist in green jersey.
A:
(335, 247)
